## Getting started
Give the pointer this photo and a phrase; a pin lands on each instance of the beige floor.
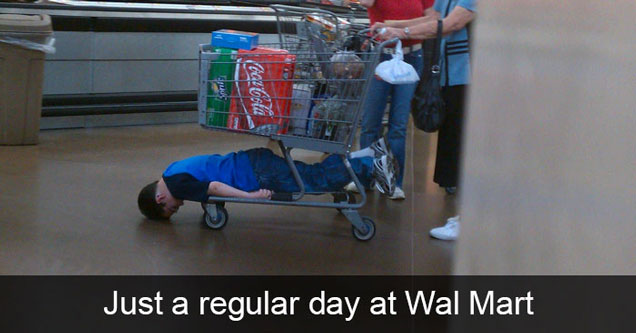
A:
(68, 206)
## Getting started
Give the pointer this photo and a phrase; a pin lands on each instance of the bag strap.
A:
(438, 40)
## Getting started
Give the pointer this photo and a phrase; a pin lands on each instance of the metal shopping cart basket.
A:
(298, 96)
(316, 30)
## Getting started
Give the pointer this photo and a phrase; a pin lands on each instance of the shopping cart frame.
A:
(363, 228)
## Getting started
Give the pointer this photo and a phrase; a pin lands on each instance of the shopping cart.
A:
(297, 95)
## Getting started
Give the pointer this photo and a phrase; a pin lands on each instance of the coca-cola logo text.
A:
(261, 100)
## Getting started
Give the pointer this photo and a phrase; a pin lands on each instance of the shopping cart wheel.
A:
(215, 220)
(366, 234)
(348, 197)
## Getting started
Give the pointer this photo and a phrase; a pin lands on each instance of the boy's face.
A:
(169, 203)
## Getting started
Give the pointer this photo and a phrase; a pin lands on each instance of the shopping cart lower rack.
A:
(300, 98)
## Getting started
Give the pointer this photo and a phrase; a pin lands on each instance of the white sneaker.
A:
(384, 174)
(351, 187)
(398, 194)
(449, 231)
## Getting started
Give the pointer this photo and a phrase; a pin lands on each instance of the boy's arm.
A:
(223, 190)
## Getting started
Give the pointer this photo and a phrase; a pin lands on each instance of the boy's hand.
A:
(261, 194)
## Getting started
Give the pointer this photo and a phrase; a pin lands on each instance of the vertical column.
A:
(549, 182)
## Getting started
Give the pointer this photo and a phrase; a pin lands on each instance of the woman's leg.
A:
(401, 96)
(373, 109)
(450, 137)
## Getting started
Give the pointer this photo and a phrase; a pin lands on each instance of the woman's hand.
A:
(377, 26)
(261, 194)
(387, 33)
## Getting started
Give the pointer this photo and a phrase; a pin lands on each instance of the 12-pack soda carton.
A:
(262, 92)
(220, 86)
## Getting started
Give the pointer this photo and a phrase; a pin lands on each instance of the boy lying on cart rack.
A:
(257, 173)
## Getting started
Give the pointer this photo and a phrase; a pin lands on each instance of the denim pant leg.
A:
(373, 109)
(273, 172)
(331, 174)
(401, 96)
(363, 168)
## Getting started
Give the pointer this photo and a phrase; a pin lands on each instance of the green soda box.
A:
(220, 82)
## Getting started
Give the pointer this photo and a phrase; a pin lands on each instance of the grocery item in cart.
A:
(301, 103)
(220, 87)
(331, 120)
(346, 65)
(342, 3)
(262, 92)
(326, 27)
(234, 39)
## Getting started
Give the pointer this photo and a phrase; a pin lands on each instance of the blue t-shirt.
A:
(454, 57)
(189, 179)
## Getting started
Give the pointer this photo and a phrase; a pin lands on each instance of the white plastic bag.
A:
(396, 71)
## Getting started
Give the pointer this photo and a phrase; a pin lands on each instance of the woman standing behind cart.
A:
(401, 95)
(455, 76)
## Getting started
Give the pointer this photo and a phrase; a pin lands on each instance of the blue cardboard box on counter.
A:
(234, 39)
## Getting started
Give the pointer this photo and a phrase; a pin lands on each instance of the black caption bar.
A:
(318, 303)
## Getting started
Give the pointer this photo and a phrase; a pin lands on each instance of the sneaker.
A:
(379, 147)
(351, 187)
(398, 194)
(449, 231)
(384, 174)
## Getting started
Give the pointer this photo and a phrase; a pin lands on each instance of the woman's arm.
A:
(430, 11)
(223, 190)
(430, 15)
(458, 18)
(367, 3)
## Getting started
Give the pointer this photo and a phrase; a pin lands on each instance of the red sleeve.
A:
(383, 10)
(426, 4)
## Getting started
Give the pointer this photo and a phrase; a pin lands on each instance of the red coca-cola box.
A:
(261, 96)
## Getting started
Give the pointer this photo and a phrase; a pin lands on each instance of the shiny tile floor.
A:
(68, 206)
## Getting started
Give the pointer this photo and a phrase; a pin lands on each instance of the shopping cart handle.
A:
(282, 197)
(381, 45)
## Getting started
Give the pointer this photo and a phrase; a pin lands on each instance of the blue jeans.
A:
(374, 106)
(273, 173)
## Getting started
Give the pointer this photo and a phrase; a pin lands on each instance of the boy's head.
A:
(156, 202)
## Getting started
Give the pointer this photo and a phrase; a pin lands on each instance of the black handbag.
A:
(427, 105)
